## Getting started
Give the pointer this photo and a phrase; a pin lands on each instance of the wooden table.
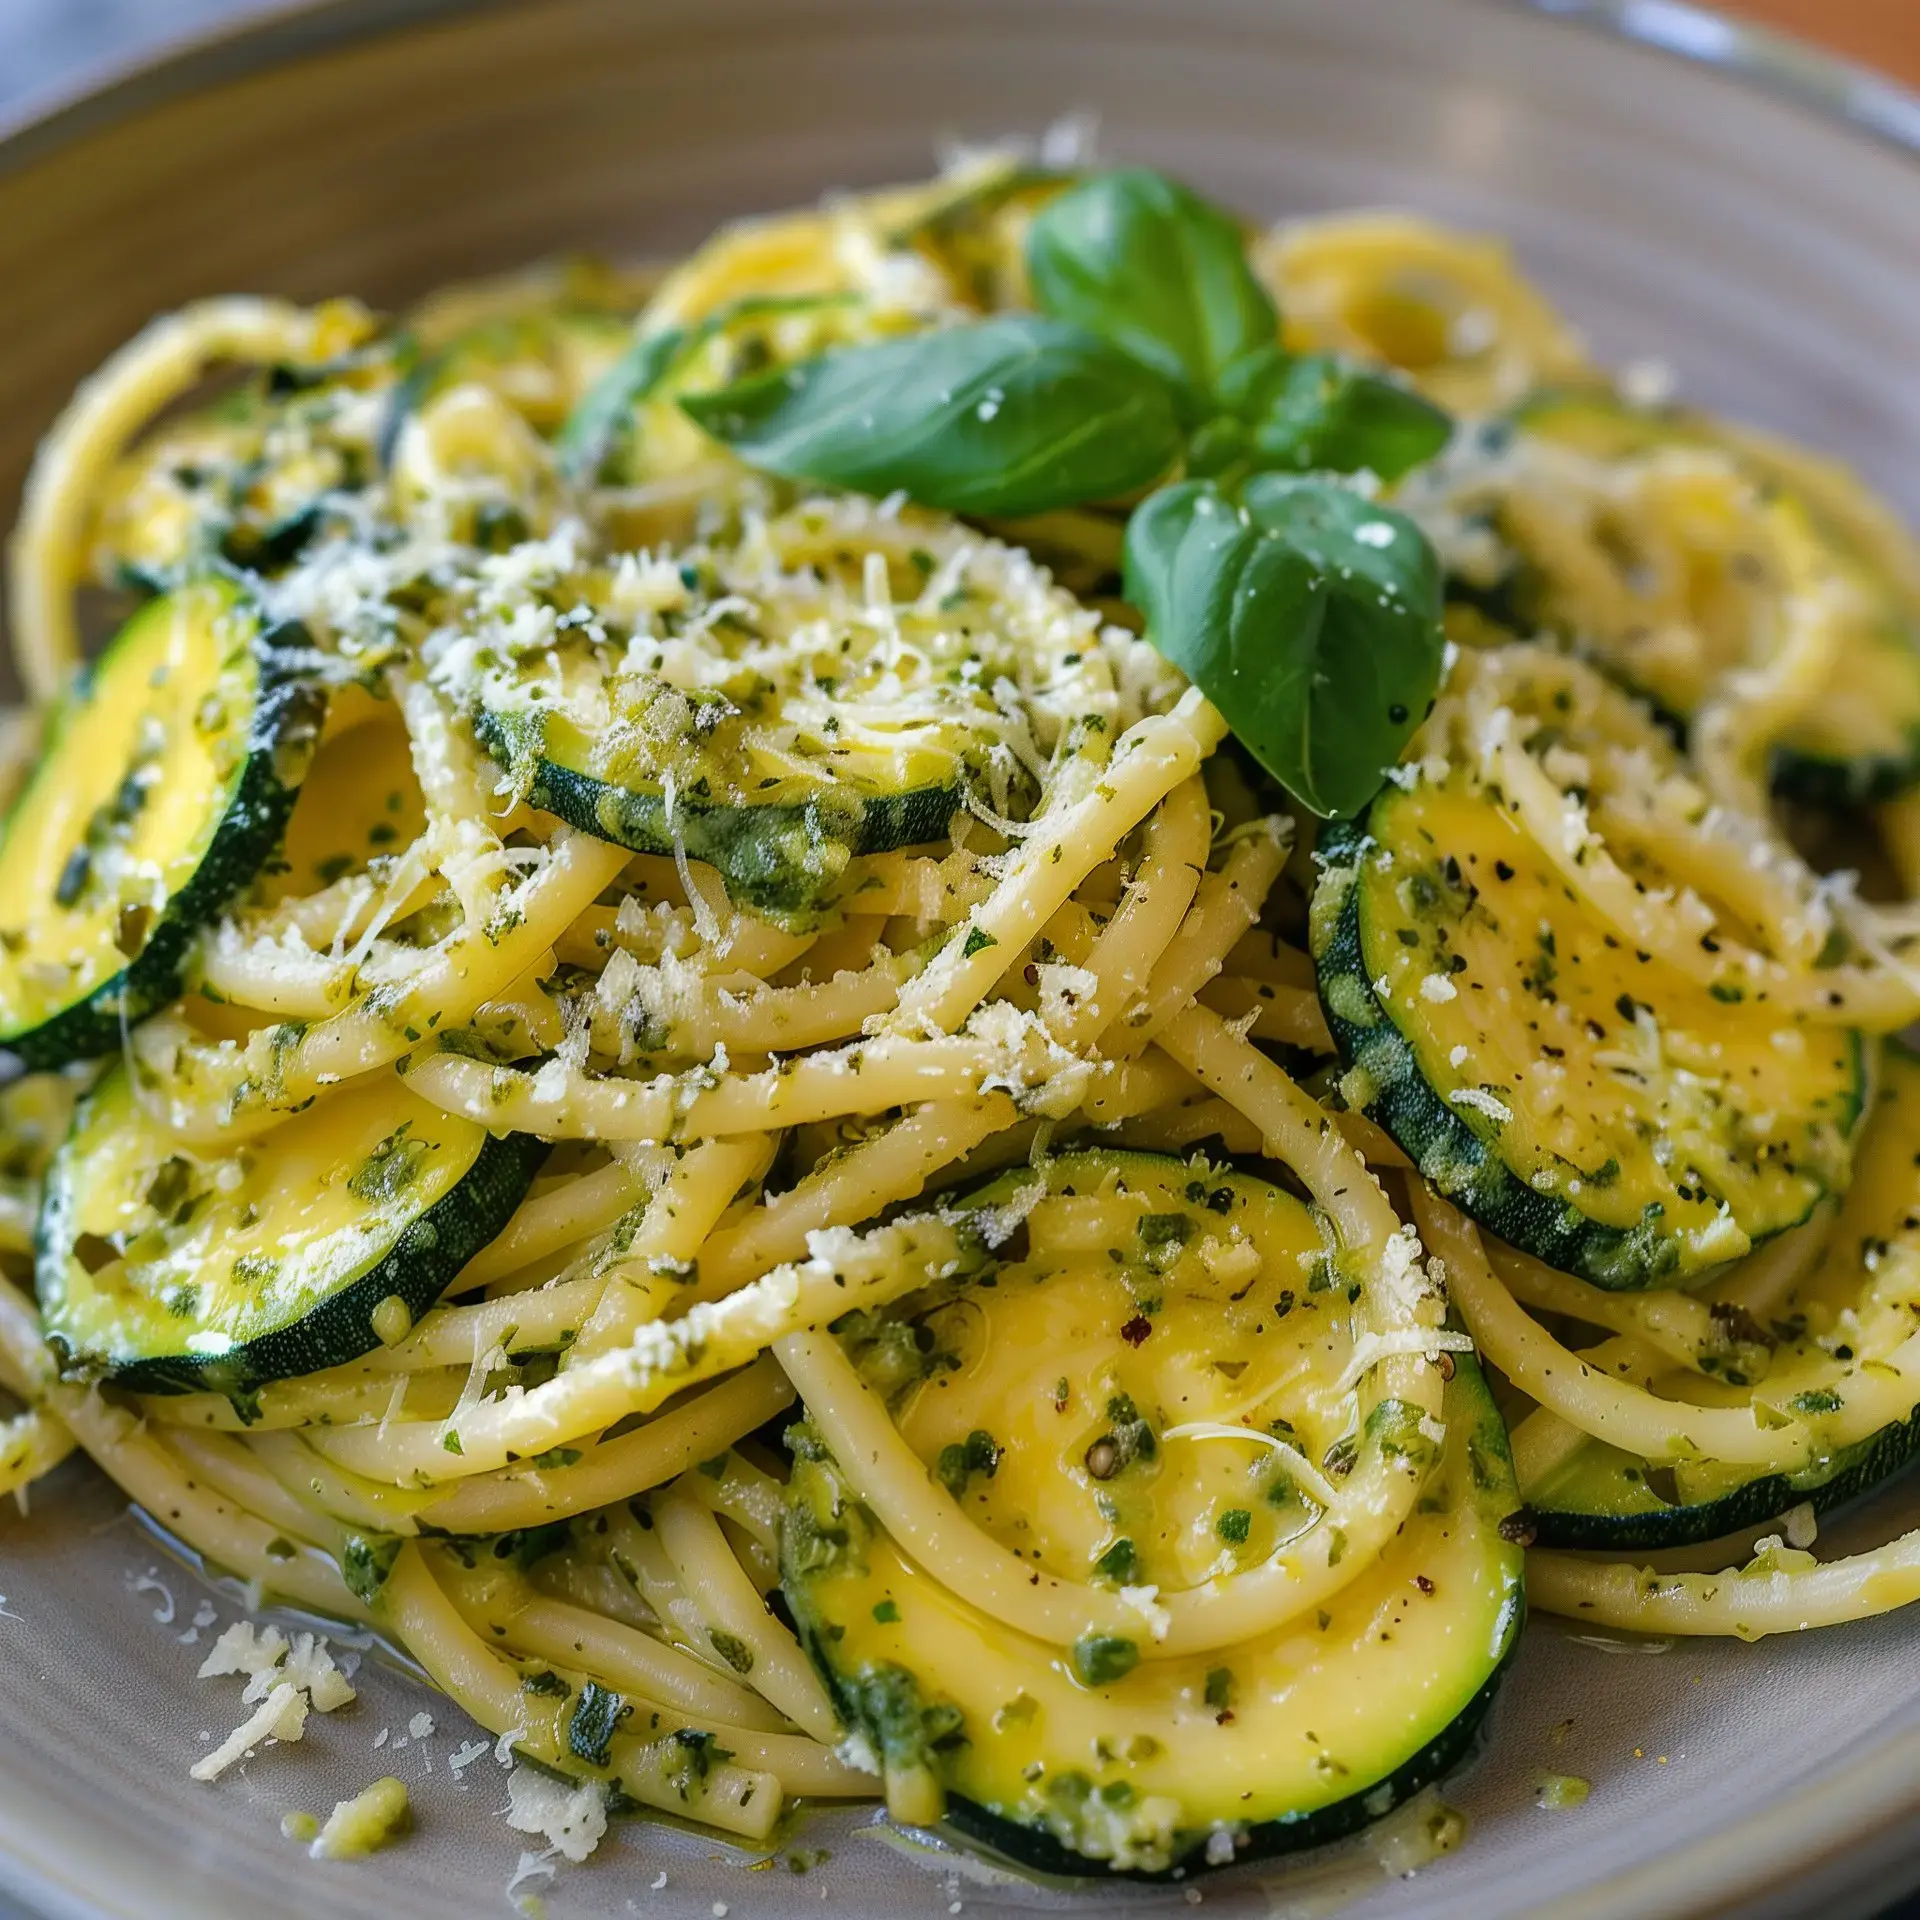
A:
(1882, 33)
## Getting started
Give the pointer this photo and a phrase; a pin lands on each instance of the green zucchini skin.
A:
(1606, 1499)
(782, 860)
(1036, 1850)
(286, 721)
(1843, 786)
(1849, 1475)
(1462, 1166)
(1464, 1737)
(1458, 1163)
(417, 1269)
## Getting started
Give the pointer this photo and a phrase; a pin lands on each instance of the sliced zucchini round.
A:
(1579, 1098)
(779, 859)
(829, 684)
(1859, 1300)
(162, 789)
(168, 1266)
(1682, 563)
(1606, 1499)
(1151, 1394)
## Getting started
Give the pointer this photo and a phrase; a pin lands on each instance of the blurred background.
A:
(1884, 33)
(46, 44)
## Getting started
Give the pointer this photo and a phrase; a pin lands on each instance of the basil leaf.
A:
(1155, 269)
(1308, 615)
(603, 415)
(1015, 415)
(1311, 412)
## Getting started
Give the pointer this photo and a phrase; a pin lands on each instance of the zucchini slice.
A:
(824, 686)
(1582, 1100)
(1606, 1499)
(168, 1267)
(1672, 555)
(1150, 1395)
(1860, 1301)
(162, 789)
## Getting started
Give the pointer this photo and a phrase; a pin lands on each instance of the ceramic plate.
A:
(1750, 216)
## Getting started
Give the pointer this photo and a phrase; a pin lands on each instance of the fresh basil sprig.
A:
(1312, 412)
(1307, 613)
(1148, 264)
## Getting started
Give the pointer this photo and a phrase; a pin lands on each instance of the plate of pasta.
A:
(1014, 1042)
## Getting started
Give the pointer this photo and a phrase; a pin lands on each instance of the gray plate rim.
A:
(272, 32)
(1871, 1790)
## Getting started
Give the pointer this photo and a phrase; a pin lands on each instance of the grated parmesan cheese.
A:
(311, 1667)
(289, 1677)
(244, 1648)
(570, 1818)
(1371, 1348)
(281, 1716)
(1481, 1101)
(1145, 1602)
